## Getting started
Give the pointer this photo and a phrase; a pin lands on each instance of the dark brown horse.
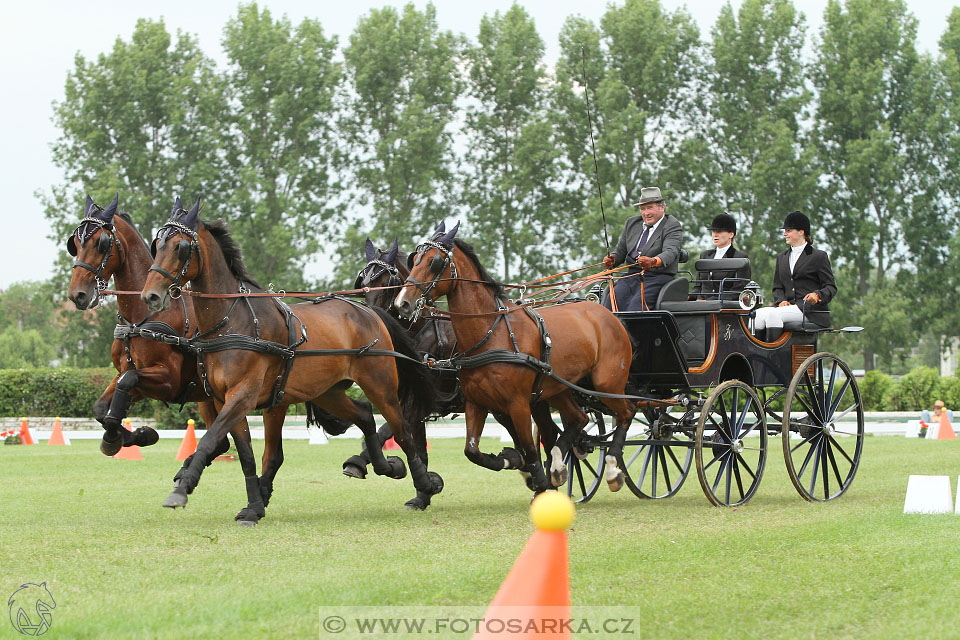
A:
(257, 352)
(105, 245)
(383, 275)
(585, 340)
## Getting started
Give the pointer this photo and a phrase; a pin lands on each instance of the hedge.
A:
(63, 391)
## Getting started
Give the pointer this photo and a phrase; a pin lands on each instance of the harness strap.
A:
(546, 344)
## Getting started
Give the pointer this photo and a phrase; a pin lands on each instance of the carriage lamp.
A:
(751, 296)
(593, 295)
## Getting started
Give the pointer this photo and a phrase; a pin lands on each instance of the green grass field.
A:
(120, 566)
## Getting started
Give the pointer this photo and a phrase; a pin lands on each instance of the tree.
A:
(755, 104)
(641, 68)
(873, 136)
(24, 349)
(403, 84)
(513, 163)
(279, 140)
(142, 120)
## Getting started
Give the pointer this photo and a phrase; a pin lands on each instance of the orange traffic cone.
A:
(128, 453)
(56, 436)
(25, 437)
(392, 444)
(537, 590)
(945, 432)
(189, 443)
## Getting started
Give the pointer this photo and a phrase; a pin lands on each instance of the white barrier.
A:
(928, 494)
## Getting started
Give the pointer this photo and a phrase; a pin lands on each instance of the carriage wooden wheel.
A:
(821, 452)
(731, 444)
(585, 459)
(656, 464)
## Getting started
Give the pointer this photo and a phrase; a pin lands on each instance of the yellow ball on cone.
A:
(552, 511)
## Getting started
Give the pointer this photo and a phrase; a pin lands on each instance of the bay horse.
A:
(106, 244)
(259, 352)
(584, 339)
(385, 272)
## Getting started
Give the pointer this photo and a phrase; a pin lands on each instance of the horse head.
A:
(96, 250)
(432, 272)
(384, 268)
(173, 249)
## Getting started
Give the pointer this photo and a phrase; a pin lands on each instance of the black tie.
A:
(643, 238)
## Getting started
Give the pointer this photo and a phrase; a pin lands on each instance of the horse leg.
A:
(475, 417)
(272, 450)
(240, 400)
(116, 436)
(519, 411)
(624, 411)
(208, 413)
(574, 419)
(426, 484)
(422, 499)
(361, 414)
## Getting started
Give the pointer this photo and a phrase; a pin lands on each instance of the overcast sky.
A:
(39, 39)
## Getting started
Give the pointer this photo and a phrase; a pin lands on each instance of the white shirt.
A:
(795, 255)
(721, 251)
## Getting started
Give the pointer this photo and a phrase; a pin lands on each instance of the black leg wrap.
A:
(254, 510)
(537, 480)
(266, 489)
(616, 445)
(420, 503)
(116, 436)
(421, 479)
(398, 470)
(512, 457)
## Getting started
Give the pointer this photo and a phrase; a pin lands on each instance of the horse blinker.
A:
(104, 242)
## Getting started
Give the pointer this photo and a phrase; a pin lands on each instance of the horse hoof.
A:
(145, 436)
(175, 500)
(415, 504)
(613, 475)
(247, 523)
(353, 471)
(109, 448)
(528, 480)
(558, 478)
(398, 470)
(511, 458)
(436, 480)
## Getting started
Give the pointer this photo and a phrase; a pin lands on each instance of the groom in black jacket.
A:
(651, 244)
(707, 286)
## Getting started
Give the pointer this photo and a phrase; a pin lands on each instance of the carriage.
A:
(713, 396)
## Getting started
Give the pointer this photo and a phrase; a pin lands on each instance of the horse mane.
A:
(230, 249)
(469, 252)
(126, 218)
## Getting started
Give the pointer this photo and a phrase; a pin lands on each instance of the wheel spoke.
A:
(803, 442)
(653, 475)
(836, 469)
(729, 477)
(719, 427)
(843, 415)
(743, 418)
(823, 469)
(746, 466)
(828, 398)
(815, 410)
(723, 466)
(663, 463)
(816, 467)
(841, 450)
(674, 458)
(736, 471)
(838, 398)
(733, 411)
(589, 466)
(809, 406)
(634, 457)
(583, 488)
(806, 459)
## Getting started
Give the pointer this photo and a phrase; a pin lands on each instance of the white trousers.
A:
(776, 316)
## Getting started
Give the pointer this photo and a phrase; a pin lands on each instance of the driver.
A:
(650, 243)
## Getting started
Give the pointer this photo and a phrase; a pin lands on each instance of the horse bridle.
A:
(185, 251)
(364, 276)
(105, 244)
(438, 265)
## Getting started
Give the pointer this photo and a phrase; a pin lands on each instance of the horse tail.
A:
(417, 384)
(331, 424)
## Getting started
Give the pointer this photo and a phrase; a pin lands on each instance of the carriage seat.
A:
(692, 318)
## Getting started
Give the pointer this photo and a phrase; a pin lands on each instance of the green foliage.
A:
(948, 390)
(142, 119)
(641, 67)
(513, 167)
(919, 388)
(403, 86)
(874, 389)
(278, 139)
(22, 349)
(54, 392)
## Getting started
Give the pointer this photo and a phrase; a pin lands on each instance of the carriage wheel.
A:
(731, 444)
(585, 459)
(653, 470)
(821, 458)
